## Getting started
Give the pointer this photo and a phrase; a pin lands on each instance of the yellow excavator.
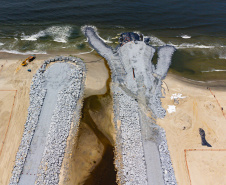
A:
(28, 59)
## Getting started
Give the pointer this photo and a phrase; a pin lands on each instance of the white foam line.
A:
(95, 29)
(185, 46)
(189, 46)
(33, 37)
(106, 41)
(21, 53)
(85, 52)
(58, 33)
(222, 57)
(185, 36)
(155, 41)
(213, 70)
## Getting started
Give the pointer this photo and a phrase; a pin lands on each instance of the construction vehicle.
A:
(29, 59)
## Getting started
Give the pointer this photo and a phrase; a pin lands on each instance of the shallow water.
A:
(196, 28)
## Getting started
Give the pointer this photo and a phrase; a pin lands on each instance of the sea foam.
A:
(221, 56)
(185, 36)
(214, 70)
(191, 45)
(33, 37)
(23, 53)
(58, 33)
(155, 41)
(94, 27)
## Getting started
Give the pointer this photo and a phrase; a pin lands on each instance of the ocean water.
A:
(197, 28)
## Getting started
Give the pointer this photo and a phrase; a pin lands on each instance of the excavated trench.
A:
(104, 172)
(92, 161)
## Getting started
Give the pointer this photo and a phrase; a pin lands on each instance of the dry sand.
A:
(6, 99)
(207, 167)
(20, 81)
(15, 77)
(198, 110)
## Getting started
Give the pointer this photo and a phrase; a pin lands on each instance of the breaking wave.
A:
(156, 41)
(85, 52)
(22, 53)
(214, 70)
(1, 44)
(185, 36)
(95, 29)
(106, 41)
(221, 56)
(33, 37)
(188, 45)
(58, 33)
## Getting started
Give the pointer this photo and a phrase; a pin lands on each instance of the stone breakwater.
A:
(166, 164)
(140, 81)
(129, 146)
(132, 133)
(59, 130)
(62, 119)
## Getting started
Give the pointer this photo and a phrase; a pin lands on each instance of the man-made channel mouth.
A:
(104, 172)
(92, 160)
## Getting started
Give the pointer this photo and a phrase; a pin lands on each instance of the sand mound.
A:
(183, 121)
(209, 105)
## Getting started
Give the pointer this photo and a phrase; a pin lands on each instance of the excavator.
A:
(29, 59)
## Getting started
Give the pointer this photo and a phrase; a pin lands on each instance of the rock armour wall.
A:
(136, 57)
(129, 160)
(62, 118)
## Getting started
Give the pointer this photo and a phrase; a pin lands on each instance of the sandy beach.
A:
(198, 109)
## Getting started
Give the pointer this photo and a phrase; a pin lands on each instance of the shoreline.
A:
(198, 109)
(97, 68)
(133, 143)
(220, 84)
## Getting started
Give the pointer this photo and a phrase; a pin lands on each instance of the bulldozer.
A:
(27, 60)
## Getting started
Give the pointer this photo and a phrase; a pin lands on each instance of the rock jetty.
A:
(55, 94)
(141, 151)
